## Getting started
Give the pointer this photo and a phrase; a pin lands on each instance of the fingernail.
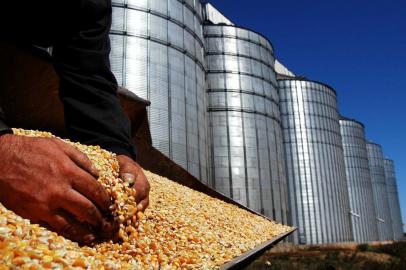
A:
(129, 178)
(89, 238)
(140, 207)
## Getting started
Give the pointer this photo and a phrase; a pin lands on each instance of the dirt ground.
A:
(376, 256)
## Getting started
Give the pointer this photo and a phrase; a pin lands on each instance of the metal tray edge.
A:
(246, 257)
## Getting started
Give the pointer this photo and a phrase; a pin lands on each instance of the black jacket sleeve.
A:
(88, 89)
(3, 127)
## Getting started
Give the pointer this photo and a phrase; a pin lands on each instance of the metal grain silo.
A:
(393, 197)
(247, 156)
(363, 216)
(157, 51)
(314, 161)
(383, 216)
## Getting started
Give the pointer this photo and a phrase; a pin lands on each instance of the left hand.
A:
(131, 172)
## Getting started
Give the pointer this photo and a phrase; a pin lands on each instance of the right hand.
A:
(50, 182)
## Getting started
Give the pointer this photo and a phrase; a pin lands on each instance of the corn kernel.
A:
(181, 229)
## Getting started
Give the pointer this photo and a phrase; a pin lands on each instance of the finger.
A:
(130, 170)
(110, 231)
(142, 188)
(85, 184)
(82, 208)
(45, 225)
(68, 227)
(142, 205)
(129, 178)
(79, 158)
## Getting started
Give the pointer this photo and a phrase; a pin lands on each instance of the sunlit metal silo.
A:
(157, 51)
(383, 216)
(315, 162)
(393, 197)
(363, 216)
(247, 156)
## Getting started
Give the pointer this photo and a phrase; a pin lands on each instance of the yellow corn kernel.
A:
(181, 229)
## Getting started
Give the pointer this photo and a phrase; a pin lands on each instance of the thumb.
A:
(129, 178)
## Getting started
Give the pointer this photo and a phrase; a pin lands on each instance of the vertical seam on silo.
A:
(303, 132)
(198, 123)
(326, 230)
(125, 46)
(321, 146)
(168, 65)
(278, 172)
(268, 133)
(185, 88)
(291, 145)
(297, 165)
(247, 189)
(289, 190)
(341, 195)
(344, 191)
(261, 199)
(319, 183)
(227, 120)
(149, 70)
(313, 178)
(330, 167)
(294, 203)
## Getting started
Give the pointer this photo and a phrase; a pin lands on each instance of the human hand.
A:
(52, 183)
(132, 173)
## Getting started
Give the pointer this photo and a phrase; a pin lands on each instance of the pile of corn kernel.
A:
(181, 229)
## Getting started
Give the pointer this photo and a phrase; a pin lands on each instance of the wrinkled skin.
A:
(52, 183)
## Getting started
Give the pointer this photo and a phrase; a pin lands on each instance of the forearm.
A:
(87, 86)
(93, 114)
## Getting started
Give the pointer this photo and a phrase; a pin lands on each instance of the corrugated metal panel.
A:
(393, 197)
(315, 162)
(379, 188)
(363, 215)
(157, 52)
(117, 56)
(136, 3)
(247, 159)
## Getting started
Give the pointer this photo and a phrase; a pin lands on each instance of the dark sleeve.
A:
(3, 127)
(88, 89)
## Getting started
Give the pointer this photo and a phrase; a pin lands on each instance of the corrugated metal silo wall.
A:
(393, 197)
(363, 216)
(315, 162)
(158, 53)
(247, 157)
(376, 165)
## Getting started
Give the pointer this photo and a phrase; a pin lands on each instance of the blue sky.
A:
(356, 46)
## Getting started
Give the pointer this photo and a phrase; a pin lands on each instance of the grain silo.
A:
(247, 156)
(157, 52)
(363, 216)
(379, 188)
(393, 197)
(314, 161)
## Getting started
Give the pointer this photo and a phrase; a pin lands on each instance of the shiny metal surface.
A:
(247, 158)
(315, 162)
(379, 187)
(247, 258)
(363, 216)
(393, 197)
(158, 53)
